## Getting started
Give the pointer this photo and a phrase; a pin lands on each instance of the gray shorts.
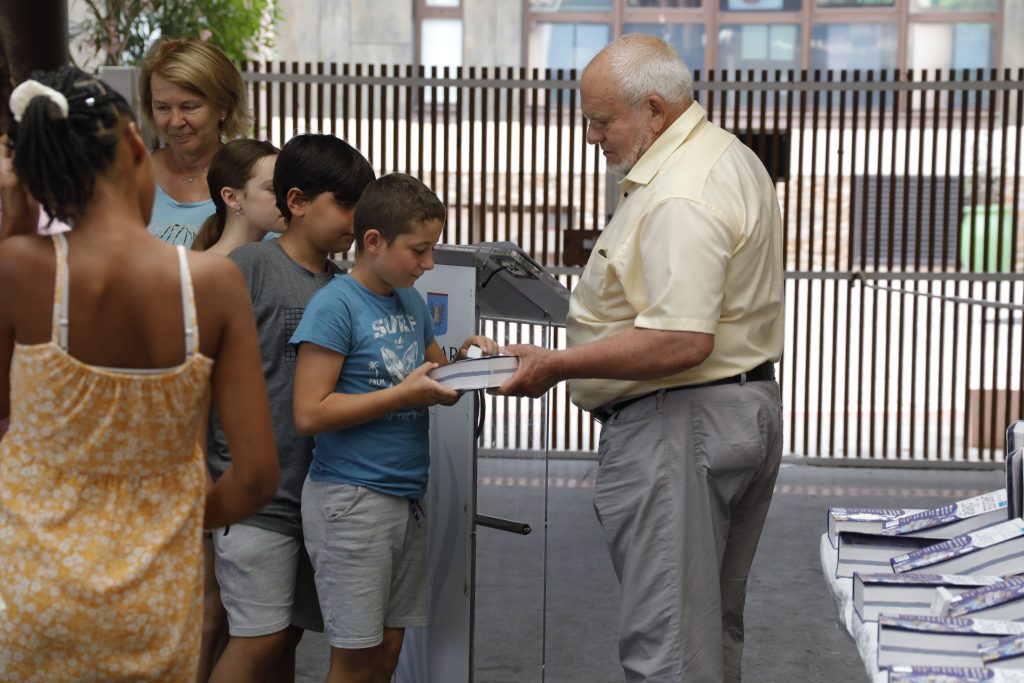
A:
(369, 550)
(266, 581)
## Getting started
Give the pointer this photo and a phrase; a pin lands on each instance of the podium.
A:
(469, 283)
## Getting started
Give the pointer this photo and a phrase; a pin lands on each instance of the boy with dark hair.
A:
(262, 567)
(365, 345)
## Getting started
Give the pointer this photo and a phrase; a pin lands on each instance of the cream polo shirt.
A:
(695, 245)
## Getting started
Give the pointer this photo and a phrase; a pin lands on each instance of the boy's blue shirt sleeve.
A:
(411, 297)
(327, 322)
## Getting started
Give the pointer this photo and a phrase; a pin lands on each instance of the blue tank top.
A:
(178, 222)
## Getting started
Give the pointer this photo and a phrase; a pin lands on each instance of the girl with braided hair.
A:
(108, 353)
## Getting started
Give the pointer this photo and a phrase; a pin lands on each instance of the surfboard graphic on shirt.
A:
(397, 367)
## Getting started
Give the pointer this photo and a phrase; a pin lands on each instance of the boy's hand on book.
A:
(487, 346)
(422, 391)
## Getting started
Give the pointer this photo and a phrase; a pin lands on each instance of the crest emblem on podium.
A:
(437, 306)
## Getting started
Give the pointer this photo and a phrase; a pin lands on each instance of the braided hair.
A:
(59, 157)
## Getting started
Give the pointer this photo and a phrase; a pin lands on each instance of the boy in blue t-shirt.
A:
(365, 345)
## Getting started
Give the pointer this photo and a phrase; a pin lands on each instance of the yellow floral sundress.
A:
(101, 506)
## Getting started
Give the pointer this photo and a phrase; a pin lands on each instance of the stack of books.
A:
(869, 539)
(934, 595)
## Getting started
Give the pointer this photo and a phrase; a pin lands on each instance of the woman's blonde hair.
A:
(202, 68)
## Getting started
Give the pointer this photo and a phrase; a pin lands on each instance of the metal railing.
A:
(901, 199)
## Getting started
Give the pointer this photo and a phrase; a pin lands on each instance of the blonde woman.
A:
(194, 98)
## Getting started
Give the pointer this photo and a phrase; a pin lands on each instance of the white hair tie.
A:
(28, 91)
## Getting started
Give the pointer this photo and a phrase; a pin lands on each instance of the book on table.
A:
(861, 520)
(952, 674)
(475, 373)
(1004, 654)
(937, 641)
(908, 594)
(953, 519)
(872, 553)
(1003, 600)
(995, 550)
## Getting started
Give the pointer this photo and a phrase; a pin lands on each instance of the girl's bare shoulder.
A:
(25, 254)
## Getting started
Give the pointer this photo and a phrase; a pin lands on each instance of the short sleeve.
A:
(677, 282)
(326, 322)
(413, 302)
(428, 329)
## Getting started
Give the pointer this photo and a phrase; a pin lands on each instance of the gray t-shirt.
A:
(280, 289)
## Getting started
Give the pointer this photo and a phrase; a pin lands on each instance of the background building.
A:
(708, 34)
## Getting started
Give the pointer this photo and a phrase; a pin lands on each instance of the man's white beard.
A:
(629, 161)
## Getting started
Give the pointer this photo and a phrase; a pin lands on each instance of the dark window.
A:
(885, 227)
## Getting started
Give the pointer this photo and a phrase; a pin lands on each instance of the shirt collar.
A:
(653, 159)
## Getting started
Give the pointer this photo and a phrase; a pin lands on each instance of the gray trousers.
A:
(684, 482)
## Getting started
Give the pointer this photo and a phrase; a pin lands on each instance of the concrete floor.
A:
(793, 633)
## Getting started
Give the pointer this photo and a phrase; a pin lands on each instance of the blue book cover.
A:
(959, 546)
(985, 627)
(1002, 649)
(945, 514)
(951, 674)
(988, 596)
(865, 514)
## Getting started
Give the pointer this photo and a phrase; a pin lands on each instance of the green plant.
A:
(122, 30)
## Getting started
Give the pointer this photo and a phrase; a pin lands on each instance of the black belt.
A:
(765, 372)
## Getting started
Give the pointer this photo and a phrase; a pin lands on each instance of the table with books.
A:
(934, 595)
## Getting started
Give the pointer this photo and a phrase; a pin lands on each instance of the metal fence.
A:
(901, 198)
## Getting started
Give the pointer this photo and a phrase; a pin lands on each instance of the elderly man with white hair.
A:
(672, 334)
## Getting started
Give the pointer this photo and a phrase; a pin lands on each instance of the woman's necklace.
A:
(191, 177)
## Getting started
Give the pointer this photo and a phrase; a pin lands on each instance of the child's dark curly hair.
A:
(58, 157)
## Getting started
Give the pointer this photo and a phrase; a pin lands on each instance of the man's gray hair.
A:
(645, 66)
